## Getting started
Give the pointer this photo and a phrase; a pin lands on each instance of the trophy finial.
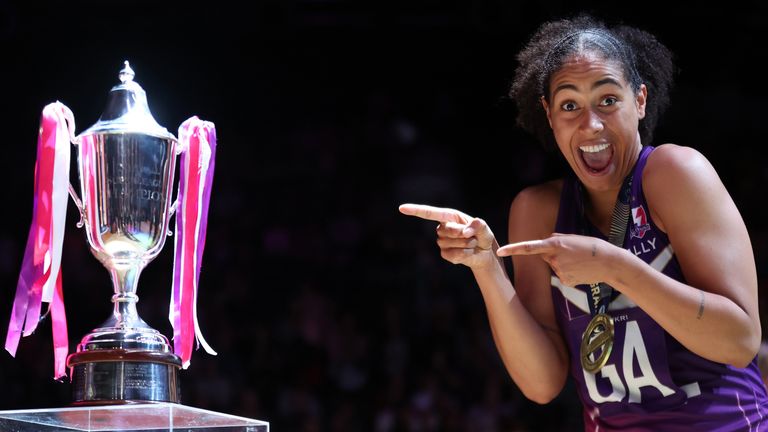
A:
(127, 74)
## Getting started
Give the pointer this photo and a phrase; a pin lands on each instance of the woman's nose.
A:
(592, 122)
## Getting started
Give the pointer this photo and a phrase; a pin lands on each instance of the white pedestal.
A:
(155, 417)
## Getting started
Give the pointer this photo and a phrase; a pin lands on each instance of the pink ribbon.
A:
(198, 143)
(40, 276)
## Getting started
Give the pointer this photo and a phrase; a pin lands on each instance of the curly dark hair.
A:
(643, 59)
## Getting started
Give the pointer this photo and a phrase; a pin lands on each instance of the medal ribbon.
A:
(40, 275)
(198, 143)
(600, 294)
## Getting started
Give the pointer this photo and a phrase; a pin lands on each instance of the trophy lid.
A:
(127, 110)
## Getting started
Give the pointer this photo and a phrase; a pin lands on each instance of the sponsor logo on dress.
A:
(641, 225)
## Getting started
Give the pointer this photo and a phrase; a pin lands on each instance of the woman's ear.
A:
(640, 99)
(545, 104)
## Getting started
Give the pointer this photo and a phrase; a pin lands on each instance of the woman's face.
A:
(594, 114)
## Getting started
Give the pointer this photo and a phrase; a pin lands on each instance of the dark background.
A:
(329, 310)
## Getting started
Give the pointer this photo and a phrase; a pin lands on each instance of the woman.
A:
(634, 274)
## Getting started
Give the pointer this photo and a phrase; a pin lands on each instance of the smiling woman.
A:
(594, 115)
(635, 273)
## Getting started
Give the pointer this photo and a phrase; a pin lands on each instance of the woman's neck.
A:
(598, 206)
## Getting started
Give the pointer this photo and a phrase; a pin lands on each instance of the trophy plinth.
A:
(120, 376)
(126, 164)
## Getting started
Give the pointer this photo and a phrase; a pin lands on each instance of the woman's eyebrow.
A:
(605, 81)
(598, 83)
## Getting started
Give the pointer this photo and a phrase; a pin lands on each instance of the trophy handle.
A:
(180, 148)
(171, 212)
(79, 205)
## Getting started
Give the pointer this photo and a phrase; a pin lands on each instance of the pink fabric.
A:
(40, 276)
(198, 142)
(60, 339)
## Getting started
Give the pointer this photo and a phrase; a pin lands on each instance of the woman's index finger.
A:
(437, 214)
(530, 247)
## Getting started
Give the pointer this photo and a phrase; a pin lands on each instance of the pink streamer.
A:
(40, 275)
(198, 140)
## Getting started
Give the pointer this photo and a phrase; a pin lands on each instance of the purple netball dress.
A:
(650, 381)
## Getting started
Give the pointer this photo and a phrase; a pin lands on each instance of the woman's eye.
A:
(568, 106)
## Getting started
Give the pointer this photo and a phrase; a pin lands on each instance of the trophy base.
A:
(120, 376)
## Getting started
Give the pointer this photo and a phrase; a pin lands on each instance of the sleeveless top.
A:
(650, 382)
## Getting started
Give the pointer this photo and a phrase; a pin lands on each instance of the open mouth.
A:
(596, 157)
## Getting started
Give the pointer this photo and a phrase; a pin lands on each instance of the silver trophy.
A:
(126, 164)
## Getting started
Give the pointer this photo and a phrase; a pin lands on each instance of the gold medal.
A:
(596, 343)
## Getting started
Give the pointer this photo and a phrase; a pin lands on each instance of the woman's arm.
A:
(522, 320)
(716, 313)
(540, 369)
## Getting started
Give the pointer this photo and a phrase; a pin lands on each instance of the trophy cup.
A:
(126, 164)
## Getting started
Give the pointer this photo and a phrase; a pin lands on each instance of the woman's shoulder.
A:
(674, 167)
(534, 209)
(670, 160)
(675, 175)
(540, 196)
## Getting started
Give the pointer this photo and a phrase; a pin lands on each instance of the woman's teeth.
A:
(594, 148)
